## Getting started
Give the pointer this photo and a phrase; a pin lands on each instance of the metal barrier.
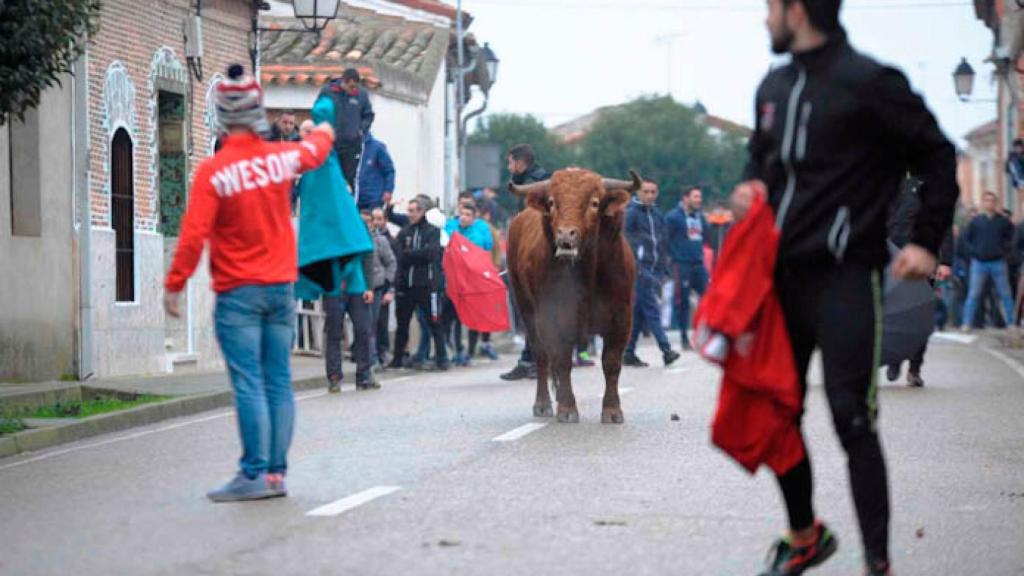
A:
(309, 334)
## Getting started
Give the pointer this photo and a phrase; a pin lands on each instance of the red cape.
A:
(475, 286)
(757, 419)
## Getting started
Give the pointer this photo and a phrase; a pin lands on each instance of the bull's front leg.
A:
(611, 362)
(542, 405)
(561, 365)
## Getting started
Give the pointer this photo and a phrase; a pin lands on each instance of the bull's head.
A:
(574, 202)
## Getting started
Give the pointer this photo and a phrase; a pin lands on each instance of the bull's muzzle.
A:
(567, 241)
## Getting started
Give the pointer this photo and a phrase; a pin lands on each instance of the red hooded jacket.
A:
(241, 203)
(757, 419)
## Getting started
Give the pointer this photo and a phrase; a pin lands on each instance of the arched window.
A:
(122, 200)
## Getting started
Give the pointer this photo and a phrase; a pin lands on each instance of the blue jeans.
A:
(1000, 277)
(646, 312)
(255, 328)
(689, 276)
(423, 350)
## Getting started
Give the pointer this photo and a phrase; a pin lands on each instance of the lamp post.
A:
(483, 65)
(314, 15)
(963, 80)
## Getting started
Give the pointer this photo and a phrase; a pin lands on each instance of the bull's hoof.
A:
(543, 411)
(612, 416)
(569, 417)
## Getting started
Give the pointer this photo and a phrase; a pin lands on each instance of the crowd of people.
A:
(832, 248)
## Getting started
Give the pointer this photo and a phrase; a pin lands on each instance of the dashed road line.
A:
(516, 434)
(354, 501)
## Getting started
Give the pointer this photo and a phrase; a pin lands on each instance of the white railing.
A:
(310, 334)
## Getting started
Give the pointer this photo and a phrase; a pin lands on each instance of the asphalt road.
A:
(411, 480)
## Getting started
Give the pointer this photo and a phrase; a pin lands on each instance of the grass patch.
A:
(10, 425)
(98, 404)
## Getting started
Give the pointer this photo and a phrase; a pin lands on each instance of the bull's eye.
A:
(551, 203)
(595, 203)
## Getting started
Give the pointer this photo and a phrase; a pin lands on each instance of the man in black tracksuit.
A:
(836, 133)
(353, 116)
(418, 282)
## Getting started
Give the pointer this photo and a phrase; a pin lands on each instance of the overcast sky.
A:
(563, 58)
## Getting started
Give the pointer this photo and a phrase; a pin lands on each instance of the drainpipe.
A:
(80, 183)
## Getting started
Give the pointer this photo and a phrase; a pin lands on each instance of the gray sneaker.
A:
(241, 488)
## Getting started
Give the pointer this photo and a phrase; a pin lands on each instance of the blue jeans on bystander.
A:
(255, 327)
(980, 271)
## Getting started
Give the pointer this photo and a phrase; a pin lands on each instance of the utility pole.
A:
(668, 40)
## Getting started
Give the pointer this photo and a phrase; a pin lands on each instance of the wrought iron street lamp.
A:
(491, 62)
(963, 80)
(315, 14)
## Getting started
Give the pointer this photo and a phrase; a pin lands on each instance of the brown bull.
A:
(572, 276)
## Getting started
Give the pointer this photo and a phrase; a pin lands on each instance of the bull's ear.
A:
(539, 199)
(614, 202)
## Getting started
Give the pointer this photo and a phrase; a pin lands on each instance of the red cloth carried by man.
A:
(475, 286)
(757, 419)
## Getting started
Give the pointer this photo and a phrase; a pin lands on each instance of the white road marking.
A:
(958, 338)
(354, 501)
(134, 435)
(676, 370)
(397, 380)
(513, 435)
(1013, 364)
(626, 390)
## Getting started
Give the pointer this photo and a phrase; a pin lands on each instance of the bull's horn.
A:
(525, 189)
(636, 184)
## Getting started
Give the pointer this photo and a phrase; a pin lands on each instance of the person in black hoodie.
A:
(353, 116)
(418, 281)
(836, 133)
(989, 236)
(524, 170)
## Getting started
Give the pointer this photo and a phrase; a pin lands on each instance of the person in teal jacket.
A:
(335, 260)
(479, 233)
(475, 230)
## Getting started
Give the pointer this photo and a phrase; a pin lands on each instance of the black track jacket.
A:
(836, 134)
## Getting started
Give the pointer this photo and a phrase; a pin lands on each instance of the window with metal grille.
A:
(122, 200)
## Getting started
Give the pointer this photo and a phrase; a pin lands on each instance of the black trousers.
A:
(383, 338)
(406, 303)
(475, 337)
(839, 310)
(335, 308)
(349, 154)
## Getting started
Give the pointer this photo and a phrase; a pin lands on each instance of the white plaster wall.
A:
(37, 287)
(414, 134)
(129, 337)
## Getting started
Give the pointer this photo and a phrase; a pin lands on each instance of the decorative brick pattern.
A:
(146, 40)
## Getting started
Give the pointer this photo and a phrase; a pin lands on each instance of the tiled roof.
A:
(399, 57)
(985, 129)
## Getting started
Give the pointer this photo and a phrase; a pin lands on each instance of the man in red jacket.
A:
(240, 204)
(836, 133)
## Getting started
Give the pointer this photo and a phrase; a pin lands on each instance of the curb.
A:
(40, 438)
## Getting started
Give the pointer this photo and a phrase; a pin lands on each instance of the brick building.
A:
(1005, 18)
(149, 125)
(97, 179)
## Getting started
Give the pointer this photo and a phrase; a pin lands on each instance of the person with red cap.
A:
(240, 203)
